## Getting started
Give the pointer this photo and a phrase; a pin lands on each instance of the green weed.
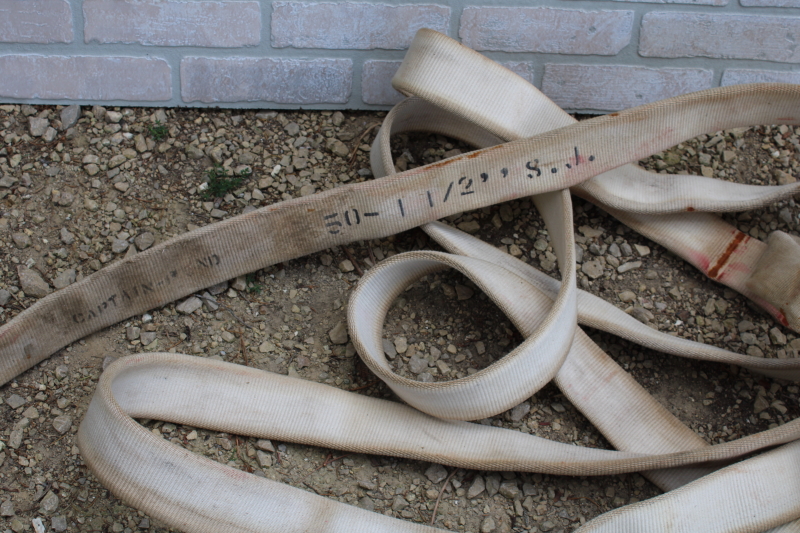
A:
(220, 184)
(158, 132)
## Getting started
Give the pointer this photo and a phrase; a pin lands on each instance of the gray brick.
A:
(171, 23)
(376, 80)
(85, 78)
(720, 36)
(546, 30)
(770, 3)
(615, 87)
(735, 76)
(715, 3)
(35, 21)
(353, 26)
(281, 81)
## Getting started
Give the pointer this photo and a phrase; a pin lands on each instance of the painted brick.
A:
(376, 80)
(720, 36)
(171, 23)
(281, 81)
(615, 87)
(354, 26)
(770, 3)
(693, 2)
(35, 21)
(733, 76)
(85, 78)
(545, 30)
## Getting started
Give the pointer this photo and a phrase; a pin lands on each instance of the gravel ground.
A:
(80, 188)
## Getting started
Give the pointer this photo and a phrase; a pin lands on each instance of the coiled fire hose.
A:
(528, 146)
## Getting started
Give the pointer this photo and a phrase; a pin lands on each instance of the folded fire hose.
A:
(528, 146)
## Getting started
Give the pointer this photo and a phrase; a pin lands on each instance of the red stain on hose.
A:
(781, 316)
(740, 238)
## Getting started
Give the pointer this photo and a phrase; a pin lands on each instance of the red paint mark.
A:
(787, 119)
(781, 316)
(310, 210)
(10, 335)
(739, 239)
(613, 114)
(690, 209)
(698, 259)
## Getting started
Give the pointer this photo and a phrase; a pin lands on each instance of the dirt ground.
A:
(283, 318)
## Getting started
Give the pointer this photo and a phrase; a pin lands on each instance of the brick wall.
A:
(587, 55)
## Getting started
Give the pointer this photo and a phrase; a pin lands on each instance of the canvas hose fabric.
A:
(527, 146)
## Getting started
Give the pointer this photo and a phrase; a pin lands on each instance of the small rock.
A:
(38, 126)
(49, 135)
(15, 401)
(388, 349)
(66, 237)
(193, 152)
(49, 502)
(7, 508)
(749, 339)
(400, 344)
(477, 487)
(119, 246)
(112, 116)
(337, 147)
(417, 364)
(5, 296)
(488, 525)
(436, 473)
(783, 178)
(65, 279)
(21, 240)
(745, 325)
(463, 292)
(70, 116)
(239, 284)
(627, 296)
(642, 250)
(147, 337)
(520, 411)
(339, 334)
(399, 503)
(547, 525)
(59, 523)
(592, 268)
(264, 459)
(144, 240)
(189, 305)
(32, 283)
(509, 489)
(266, 445)
(641, 314)
(760, 404)
(492, 484)
(591, 233)
(292, 128)
(116, 161)
(266, 347)
(471, 227)
(776, 336)
(346, 266)
(630, 265)
(132, 333)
